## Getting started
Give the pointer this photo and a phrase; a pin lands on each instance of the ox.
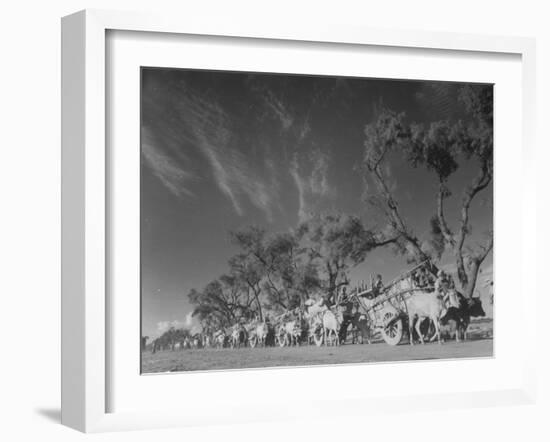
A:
(197, 341)
(461, 315)
(314, 316)
(261, 333)
(315, 323)
(319, 315)
(292, 331)
(238, 336)
(424, 305)
(330, 326)
(360, 328)
(219, 339)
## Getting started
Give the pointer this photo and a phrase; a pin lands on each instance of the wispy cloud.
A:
(279, 109)
(318, 180)
(302, 190)
(233, 172)
(172, 175)
(248, 176)
(311, 180)
(304, 129)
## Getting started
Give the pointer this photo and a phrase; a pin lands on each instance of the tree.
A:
(274, 268)
(291, 277)
(221, 302)
(440, 147)
(170, 337)
(279, 272)
(248, 274)
(388, 134)
(336, 243)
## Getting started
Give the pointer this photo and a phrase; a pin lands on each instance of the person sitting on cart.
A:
(376, 289)
(378, 286)
(444, 282)
(344, 298)
(450, 282)
(416, 278)
(445, 286)
(441, 282)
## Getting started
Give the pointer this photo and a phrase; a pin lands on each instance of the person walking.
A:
(347, 315)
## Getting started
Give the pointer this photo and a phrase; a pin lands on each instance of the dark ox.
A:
(461, 315)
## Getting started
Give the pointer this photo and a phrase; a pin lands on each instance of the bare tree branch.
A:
(396, 218)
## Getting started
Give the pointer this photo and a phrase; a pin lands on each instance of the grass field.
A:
(220, 359)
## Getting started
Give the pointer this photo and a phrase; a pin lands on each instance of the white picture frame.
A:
(86, 202)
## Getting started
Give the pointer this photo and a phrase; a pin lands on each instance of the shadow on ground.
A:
(51, 414)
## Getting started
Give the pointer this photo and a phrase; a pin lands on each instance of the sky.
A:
(224, 150)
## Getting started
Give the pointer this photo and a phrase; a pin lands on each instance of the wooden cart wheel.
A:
(393, 333)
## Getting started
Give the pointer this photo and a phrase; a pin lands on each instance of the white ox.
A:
(424, 305)
(219, 338)
(317, 313)
(261, 333)
(331, 325)
(291, 331)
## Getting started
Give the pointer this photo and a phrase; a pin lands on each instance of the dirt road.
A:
(219, 359)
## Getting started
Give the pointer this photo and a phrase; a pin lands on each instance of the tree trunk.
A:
(468, 280)
(460, 269)
(259, 306)
(472, 278)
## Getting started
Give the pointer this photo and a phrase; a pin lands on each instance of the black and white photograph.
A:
(261, 222)
(300, 220)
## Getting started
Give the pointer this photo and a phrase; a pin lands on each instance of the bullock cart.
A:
(297, 326)
(289, 327)
(387, 311)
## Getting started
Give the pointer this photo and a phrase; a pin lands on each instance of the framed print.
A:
(249, 211)
(297, 224)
